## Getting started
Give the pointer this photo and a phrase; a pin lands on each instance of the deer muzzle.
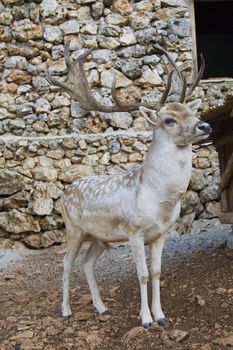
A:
(203, 128)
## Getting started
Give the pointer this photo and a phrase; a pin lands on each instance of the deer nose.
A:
(205, 128)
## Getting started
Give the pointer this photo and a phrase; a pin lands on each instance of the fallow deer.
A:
(139, 205)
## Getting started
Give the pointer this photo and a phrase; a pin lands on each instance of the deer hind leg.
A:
(156, 255)
(138, 251)
(73, 247)
(93, 253)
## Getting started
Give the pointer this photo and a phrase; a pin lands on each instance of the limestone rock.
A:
(90, 28)
(51, 222)
(191, 203)
(60, 101)
(108, 75)
(5, 34)
(25, 30)
(120, 157)
(116, 19)
(76, 171)
(57, 67)
(40, 83)
(59, 117)
(185, 224)
(128, 37)
(212, 210)
(45, 174)
(140, 20)
(105, 159)
(6, 17)
(139, 146)
(146, 35)
(32, 241)
(121, 120)
(19, 62)
(146, 6)
(52, 237)
(7, 244)
(103, 55)
(42, 105)
(197, 181)
(19, 76)
(203, 163)
(25, 109)
(108, 42)
(48, 7)
(174, 3)
(77, 111)
(130, 68)
(70, 27)
(12, 182)
(55, 154)
(17, 123)
(17, 200)
(124, 7)
(179, 27)
(209, 193)
(42, 206)
(53, 34)
(16, 222)
(114, 146)
(150, 77)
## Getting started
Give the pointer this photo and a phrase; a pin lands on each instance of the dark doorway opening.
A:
(214, 35)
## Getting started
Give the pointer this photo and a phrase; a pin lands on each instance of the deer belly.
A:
(105, 230)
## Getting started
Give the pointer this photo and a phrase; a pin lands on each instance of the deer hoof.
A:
(66, 318)
(106, 312)
(163, 322)
(147, 325)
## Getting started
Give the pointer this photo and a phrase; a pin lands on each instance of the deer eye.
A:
(169, 121)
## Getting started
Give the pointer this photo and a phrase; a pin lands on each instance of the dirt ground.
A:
(196, 292)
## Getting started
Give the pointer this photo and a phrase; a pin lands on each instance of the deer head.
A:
(178, 122)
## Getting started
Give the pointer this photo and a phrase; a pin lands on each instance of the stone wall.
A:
(35, 173)
(47, 140)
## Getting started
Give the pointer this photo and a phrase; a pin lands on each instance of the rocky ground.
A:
(197, 296)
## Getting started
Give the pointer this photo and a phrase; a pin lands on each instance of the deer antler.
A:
(197, 78)
(184, 94)
(77, 85)
(182, 79)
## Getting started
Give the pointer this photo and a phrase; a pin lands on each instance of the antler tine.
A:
(167, 89)
(75, 84)
(54, 81)
(68, 61)
(184, 90)
(183, 81)
(198, 77)
(113, 90)
(94, 105)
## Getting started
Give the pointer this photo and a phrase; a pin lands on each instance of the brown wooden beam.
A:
(226, 218)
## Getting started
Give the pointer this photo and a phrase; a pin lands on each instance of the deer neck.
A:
(166, 164)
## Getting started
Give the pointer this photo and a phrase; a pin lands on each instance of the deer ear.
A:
(194, 105)
(150, 115)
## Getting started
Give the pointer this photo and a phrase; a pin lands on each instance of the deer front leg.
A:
(138, 252)
(156, 254)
